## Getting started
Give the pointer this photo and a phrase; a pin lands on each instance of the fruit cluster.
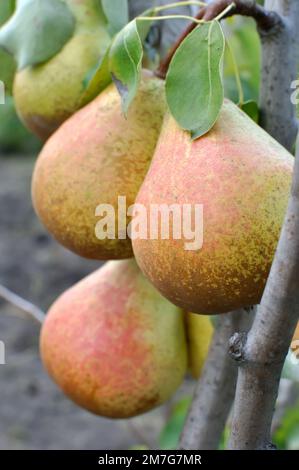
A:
(113, 343)
(120, 342)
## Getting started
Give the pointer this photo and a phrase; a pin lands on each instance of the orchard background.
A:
(33, 412)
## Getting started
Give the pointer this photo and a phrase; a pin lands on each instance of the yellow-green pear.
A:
(199, 330)
(47, 94)
(113, 344)
(235, 182)
(95, 157)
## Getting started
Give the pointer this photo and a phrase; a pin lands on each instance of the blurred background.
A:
(34, 414)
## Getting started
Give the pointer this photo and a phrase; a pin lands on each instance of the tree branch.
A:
(279, 70)
(264, 351)
(215, 390)
(23, 305)
(266, 21)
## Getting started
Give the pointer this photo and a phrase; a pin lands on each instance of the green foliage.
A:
(98, 79)
(7, 63)
(251, 109)
(245, 46)
(287, 436)
(117, 14)
(37, 31)
(195, 92)
(6, 10)
(13, 135)
(170, 434)
(125, 62)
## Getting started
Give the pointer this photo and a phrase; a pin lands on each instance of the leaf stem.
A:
(225, 11)
(170, 17)
(237, 74)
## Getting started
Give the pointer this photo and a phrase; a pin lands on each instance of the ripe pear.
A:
(113, 344)
(199, 331)
(47, 94)
(96, 156)
(241, 176)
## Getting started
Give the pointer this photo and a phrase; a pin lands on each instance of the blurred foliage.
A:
(287, 436)
(245, 46)
(13, 135)
(7, 64)
(170, 434)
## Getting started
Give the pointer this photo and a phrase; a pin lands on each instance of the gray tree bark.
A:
(280, 50)
(264, 351)
(215, 390)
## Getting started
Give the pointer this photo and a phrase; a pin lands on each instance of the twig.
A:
(266, 21)
(23, 305)
(264, 350)
(215, 390)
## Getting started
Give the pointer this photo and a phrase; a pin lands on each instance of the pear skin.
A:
(200, 331)
(47, 94)
(241, 177)
(113, 344)
(95, 157)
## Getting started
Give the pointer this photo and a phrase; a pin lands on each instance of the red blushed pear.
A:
(95, 157)
(241, 176)
(113, 344)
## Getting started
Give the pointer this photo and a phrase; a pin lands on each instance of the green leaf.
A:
(117, 14)
(194, 88)
(125, 60)
(6, 10)
(170, 435)
(251, 109)
(98, 79)
(37, 31)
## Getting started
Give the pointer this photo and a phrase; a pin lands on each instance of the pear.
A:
(113, 344)
(199, 330)
(95, 157)
(240, 178)
(47, 94)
